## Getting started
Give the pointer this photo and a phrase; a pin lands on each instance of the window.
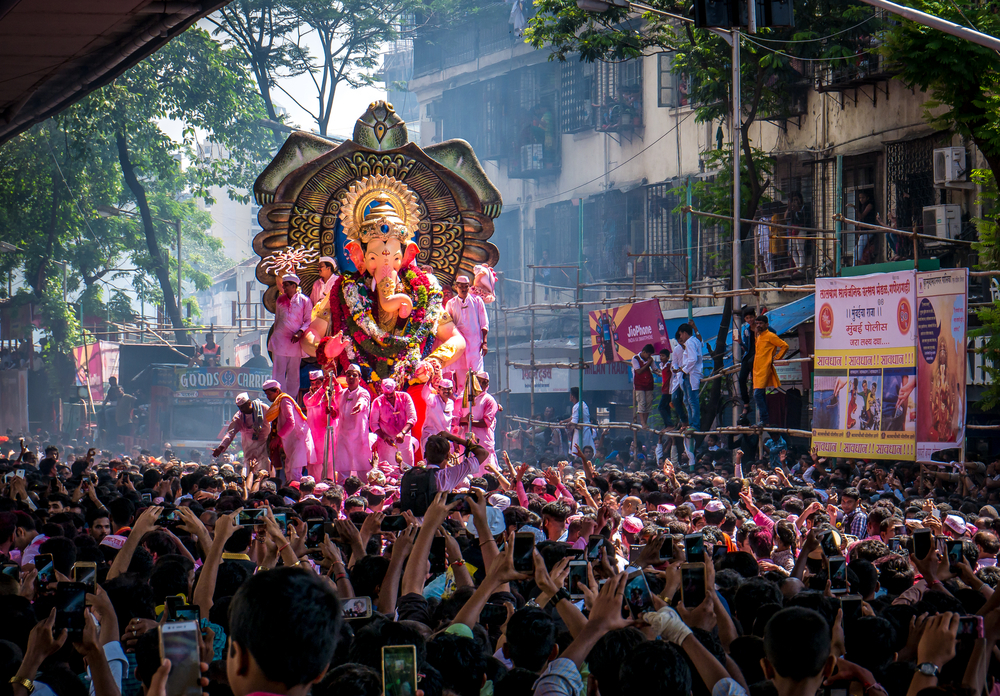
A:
(575, 86)
(673, 90)
(618, 94)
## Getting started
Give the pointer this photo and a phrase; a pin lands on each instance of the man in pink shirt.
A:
(253, 429)
(321, 413)
(292, 316)
(440, 409)
(468, 311)
(483, 420)
(327, 277)
(353, 451)
(393, 416)
(290, 425)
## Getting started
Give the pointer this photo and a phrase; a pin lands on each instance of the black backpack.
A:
(417, 490)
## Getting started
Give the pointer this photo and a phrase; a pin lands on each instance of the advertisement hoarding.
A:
(618, 333)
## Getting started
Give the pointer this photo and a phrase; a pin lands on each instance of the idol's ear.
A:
(410, 253)
(357, 255)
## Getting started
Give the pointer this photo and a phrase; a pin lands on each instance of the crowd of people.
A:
(509, 576)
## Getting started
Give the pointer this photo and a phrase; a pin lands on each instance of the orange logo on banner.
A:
(826, 320)
(904, 315)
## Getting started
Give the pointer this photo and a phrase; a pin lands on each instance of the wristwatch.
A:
(928, 669)
(560, 596)
(23, 681)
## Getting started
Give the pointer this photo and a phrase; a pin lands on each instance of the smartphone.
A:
(46, 570)
(146, 497)
(835, 691)
(171, 605)
(719, 551)
(637, 594)
(188, 612)
(167, 518)
(282, 520)
(634, 551)
(935, 513)
(358, 608)
(569, 552)
(493, 615)
(694, 548)
(463, 502)
(922, 540)
(85, 572)
(970, 627)
(828, 542)
(954, 550)
(667, 549)
(399, 670)
(315, 529)
(594, 545)
(19, 473)
(11, 569)
(179, 643)
(895, 544)
(437, 557)
(252, 517)
(524, 547)
(71, 600)
(693, 584)
(838, 575)
(851, 604)
(393, 523)
(577, 578)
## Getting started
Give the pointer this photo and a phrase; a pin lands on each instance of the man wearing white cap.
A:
(327, 277)
(353, 450)
(440, 409)
(249, 422)
(321, 409)
(392, 417)
(290, 425)
(483, 419)
(469, 314)
(292, 316)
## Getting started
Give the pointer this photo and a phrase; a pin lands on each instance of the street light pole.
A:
(177, 226)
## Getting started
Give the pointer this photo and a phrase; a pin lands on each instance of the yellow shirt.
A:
(768, 348)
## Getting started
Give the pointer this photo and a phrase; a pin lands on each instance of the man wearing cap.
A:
(250, 423)
(392, 417)
(292, 316)
(320, 409)
(440, 409)
(353, 450)
(468, 312)
(327, 277)
(483, 413)
(291, 427)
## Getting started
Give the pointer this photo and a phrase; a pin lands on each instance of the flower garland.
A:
(386, 354)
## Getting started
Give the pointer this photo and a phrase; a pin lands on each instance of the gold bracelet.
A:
(23, 681)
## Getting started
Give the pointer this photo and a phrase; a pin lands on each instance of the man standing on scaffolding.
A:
(745, 335)
(692, 368)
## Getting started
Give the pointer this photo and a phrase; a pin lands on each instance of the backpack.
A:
(417, 490)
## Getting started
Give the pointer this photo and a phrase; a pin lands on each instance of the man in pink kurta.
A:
(440, 409)
(253, 430)
(353, 450)
(290, 425)
(321, 412)
(468, 312)
(393, 416)
(292, 316)
(327, 277)
(483, 419)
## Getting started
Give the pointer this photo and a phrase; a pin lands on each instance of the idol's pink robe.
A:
(390, 415)
(319, 415)
(353, 451)
(296, 440)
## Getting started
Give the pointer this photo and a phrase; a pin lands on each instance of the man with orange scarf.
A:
(289, 423)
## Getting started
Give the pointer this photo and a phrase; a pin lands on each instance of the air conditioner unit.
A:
(944, 221)
(949, 165)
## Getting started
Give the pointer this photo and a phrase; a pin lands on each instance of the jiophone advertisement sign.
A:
(619, 333)
(865, 392)
(942, 308)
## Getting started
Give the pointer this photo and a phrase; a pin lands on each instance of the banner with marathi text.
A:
(619, 333)
(942, 308)
(865, 389)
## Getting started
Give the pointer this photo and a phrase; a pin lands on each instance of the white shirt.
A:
(694, 361)
(587, 434)
(439, 413)
(677, 361)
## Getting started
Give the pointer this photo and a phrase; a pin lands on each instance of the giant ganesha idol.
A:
(400, 221)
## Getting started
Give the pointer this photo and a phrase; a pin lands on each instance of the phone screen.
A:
(667, 549)
(12, 569)
(393, 523)
(838, 575)
(637, 594)
(399, 670)
(71, 600)
(188, 613)
(851, 604)
(577, 578)
(694, 548)
(634, 552)
(252, 517)
(281, 519)
(594, 546)
(693, 584)
(524, 545)
(46, 570)
(314, 532)
(85, 573)
(828, 542)
(922, 543)
(146, 497)
(179, 644)
(437, 558)
(463, 502)
(357, 608)
(970, 627)
(954, 552)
